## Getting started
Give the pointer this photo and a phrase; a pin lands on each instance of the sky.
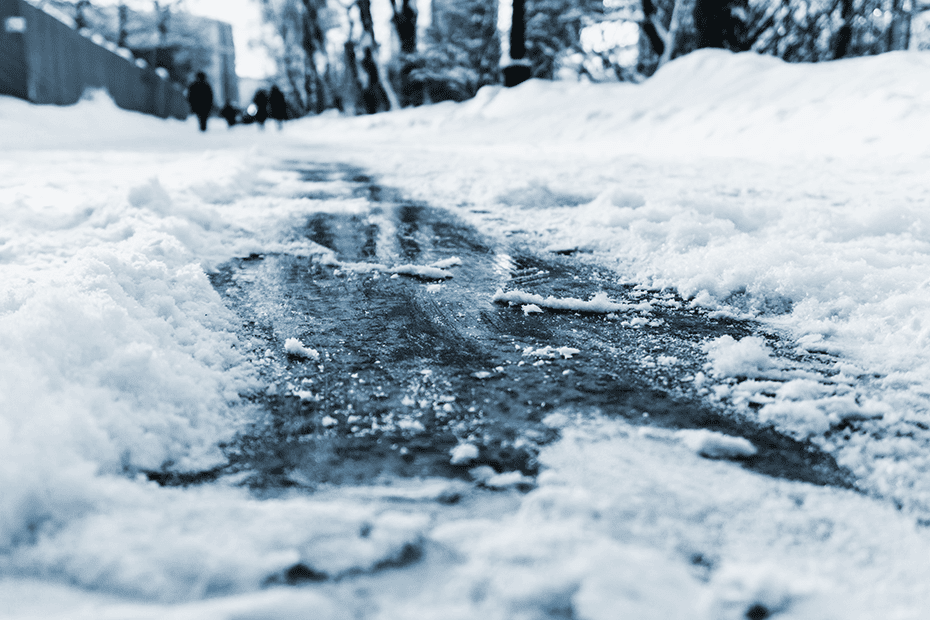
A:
(245, 18)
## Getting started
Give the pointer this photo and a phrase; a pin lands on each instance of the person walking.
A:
(260, 101)
(200, 98)
(278, 106)
(230, 113)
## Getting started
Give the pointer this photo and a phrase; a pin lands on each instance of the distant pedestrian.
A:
(277, 106)
(260, 101)
(230, 113)
(200, 98)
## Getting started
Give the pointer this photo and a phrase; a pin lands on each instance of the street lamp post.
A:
(517, 70)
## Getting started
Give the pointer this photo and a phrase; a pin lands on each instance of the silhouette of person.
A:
(277, 106)
(200, 98)
(261, 107)
(230, 113)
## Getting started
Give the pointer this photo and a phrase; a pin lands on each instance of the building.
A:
(181, 43)
(45, 59)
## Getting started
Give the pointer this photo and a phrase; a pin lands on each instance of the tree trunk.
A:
(899, 30)
(350, 86)
(378, 84)
(313, 41)
(682, 34)
(405, 25)
(844, 34)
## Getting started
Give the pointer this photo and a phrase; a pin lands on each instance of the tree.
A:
(553, 30)
(404, 18)
(460, 52)
(301, 27)
(377, 92)
(794, 30)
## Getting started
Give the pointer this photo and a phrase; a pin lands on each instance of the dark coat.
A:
(200, 97)
(277, 104)
(261, 103)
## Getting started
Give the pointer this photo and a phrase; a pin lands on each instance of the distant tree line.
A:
(330, 55)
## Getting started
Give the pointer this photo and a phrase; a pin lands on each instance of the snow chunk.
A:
(421, 271)
(508, 480)
(599, 303)
(716, 445)
(486, 476)
(293, 346)
(531, 309)
(463, 453)
(749, 357)
(452, 261)
(551, 352)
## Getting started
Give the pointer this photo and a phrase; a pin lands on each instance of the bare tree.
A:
(377, 93)
(301, 27)
(405, 25)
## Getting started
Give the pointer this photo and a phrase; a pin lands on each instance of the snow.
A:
(550, 352)
(421, 271)
(599, 303)
(795, 195)
(463, 453)
(293, 346)
(716, 445)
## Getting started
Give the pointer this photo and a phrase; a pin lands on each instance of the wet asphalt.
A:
(410, 367)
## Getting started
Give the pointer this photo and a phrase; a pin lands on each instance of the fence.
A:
(45, 60)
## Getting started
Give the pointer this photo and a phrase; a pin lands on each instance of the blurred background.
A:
(368, 56)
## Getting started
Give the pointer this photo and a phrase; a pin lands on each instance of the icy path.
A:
(389, 373)
(619, 518)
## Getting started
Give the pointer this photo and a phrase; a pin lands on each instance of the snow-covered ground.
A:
(795, 194)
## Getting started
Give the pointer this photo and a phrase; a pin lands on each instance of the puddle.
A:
(410, 367)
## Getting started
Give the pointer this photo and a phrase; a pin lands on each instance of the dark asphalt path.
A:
(410, 367)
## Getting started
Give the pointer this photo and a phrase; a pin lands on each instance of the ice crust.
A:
(792, 194)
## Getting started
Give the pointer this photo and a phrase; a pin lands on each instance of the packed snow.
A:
(792, 194)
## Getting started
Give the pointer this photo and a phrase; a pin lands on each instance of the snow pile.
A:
(185, 552)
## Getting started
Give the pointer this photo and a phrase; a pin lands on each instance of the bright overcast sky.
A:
(245, 18)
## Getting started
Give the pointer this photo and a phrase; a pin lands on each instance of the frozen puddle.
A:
(406, 335)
